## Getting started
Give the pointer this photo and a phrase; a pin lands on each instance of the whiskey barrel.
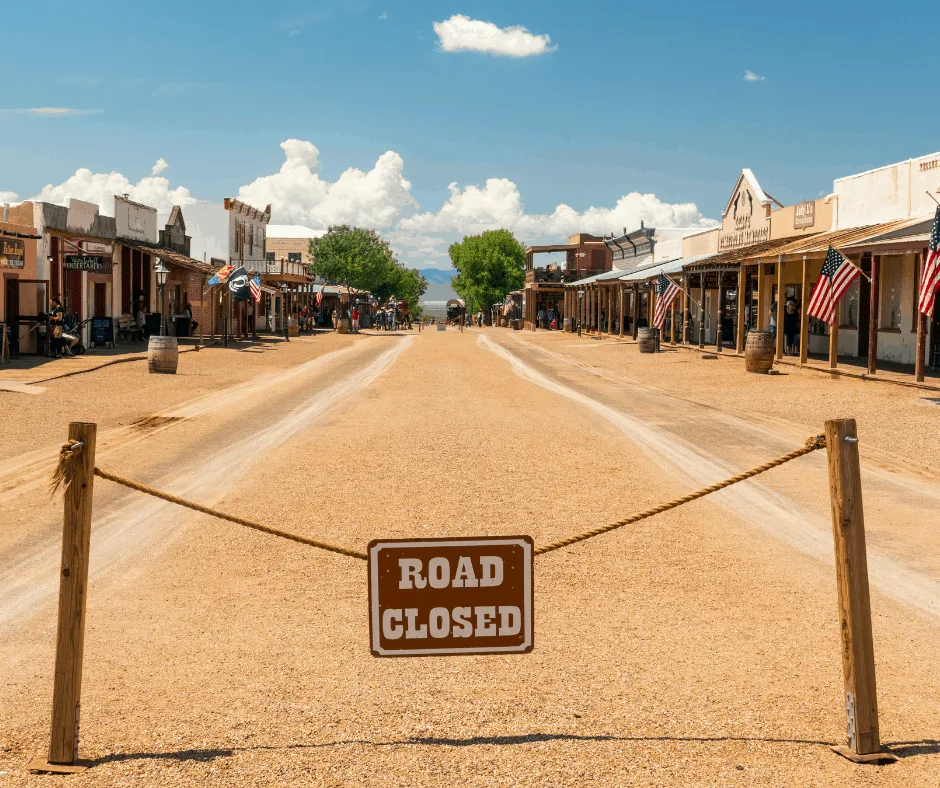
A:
(569, 325)
(343, 326)
(163, 355)
(516, 325)
(648, 339)
(759, 352)
(504, 322)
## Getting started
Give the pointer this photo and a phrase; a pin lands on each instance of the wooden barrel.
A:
(569, 324)
(648, 339)
(342, 327)
(759, 352)
(504, 322)
(516, 325)
(163, 355)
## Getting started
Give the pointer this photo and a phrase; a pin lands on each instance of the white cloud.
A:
(499, 204)
(10, 197)
(298, 195)
(52, 112)
(383, 16)
(462, 34)
(100, 188)
(750, 76)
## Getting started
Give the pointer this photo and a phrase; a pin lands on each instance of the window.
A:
(890, 306)
(269, 257)
(848, 316)
(294, 257)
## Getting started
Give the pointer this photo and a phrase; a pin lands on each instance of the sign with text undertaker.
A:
(450, 596)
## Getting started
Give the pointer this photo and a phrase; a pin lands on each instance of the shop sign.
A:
(450, 596)
(12, 253)
(91, 247)
(94, 264)
(804, 215)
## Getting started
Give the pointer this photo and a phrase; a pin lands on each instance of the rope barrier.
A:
(812, 444)
(223, 516)
(71, 450)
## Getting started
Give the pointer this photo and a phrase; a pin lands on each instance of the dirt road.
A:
(699, 647)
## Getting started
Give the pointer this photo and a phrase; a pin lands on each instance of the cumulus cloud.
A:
(10, 197)
(383, 16)
(298, 195)
(750, 76)
(499, 204)
(100, 188)
(462, 34)
(52, 112)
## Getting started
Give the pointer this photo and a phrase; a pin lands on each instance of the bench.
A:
(127, 327)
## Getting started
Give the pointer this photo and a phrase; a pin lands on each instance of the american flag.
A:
(931, 278)
(666, 292)
(837, 274)
(255, 285)
(320, 295)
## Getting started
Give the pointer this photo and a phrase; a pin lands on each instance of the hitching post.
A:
(858, 654)
(73, 594)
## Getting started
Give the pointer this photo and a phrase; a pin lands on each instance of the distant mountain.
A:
(439, 288)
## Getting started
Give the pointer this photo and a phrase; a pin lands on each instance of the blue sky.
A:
(647, 98)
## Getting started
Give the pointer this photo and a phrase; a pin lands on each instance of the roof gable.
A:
(746, 178)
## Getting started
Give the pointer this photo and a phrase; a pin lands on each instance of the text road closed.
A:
(450, 596)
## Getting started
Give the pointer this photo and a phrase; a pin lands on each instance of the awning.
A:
(851, 238)
(731, 259)
(673, 266)
(14, 234)
(170, 257)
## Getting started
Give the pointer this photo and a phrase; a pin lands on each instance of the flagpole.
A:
(684, 291)
(853, 264)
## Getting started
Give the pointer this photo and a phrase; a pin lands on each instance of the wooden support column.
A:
(610, 310)
(758, 319)
(920, 356)
(621, 296)
(873, 314)
(848, 530)
(651, 307)
(73, 597)
(672, 324)
(701, 312)
(739, 329)
(685, 308)
(719, 329)
(781, 299)
(834, 342)
(636, 310)
(600, 304)
(804, 316)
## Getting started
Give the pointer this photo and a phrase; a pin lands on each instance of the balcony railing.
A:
(285, 268)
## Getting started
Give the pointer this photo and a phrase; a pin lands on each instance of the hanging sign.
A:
(94, 264)
(804, 215)
(12, 253)
(450, 596)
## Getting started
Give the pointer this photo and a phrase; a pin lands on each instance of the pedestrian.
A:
(791, 329)
(355, 319)
(551, 318)
(540, 317)
(335, 320)
(193, 325)
(773, 318)
(56, 317)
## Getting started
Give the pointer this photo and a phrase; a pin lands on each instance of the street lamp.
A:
(580, 307)
(162, 271)
(284, 304)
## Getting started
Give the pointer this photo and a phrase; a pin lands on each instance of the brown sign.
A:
(12, 253)
(92, 263)
(804, 215)
(450, 596)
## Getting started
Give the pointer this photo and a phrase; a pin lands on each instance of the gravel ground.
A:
(688, 650)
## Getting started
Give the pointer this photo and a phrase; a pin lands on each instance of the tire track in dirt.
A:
(136, 522)
(751, 501)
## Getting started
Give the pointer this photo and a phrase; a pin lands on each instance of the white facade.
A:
(896, 191)
(233, 232)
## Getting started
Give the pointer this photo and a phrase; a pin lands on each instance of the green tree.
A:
(488, 267)
(352, 256)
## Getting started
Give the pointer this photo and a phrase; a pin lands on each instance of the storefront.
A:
(24, 295)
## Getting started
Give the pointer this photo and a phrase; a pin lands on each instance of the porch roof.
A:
(855, 238)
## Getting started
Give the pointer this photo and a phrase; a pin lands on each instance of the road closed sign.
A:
(450, 596)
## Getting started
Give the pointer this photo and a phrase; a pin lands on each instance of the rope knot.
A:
(65, 468)
(816, 442)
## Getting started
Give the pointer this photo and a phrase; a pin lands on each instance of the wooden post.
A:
(920, 356)
(685, 308)
(621, 309)
(73, 595)
(781, 299)
(610, 310)
(858, 654)
(739, 333)
(701, 312)
(672, 324)
(873, 314)
(719, 337)
(804, 316)
(834, 342)
(758, 319)
(636, 311)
